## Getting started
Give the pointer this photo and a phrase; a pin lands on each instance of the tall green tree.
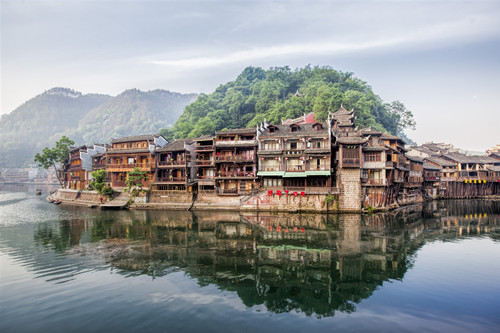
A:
(49, 157)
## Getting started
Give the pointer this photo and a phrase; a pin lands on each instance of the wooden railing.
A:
(174, 162)
(171, 179)
(236, 158)
(235, 174)
(306, 190)
(370, 181)
(204, 148)
(204, 162)
(129, 165)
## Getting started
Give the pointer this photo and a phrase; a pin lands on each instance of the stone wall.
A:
(288, 203)
(350, 190)
(171, 198)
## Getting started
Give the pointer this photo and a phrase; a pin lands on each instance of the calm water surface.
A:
(70, 269)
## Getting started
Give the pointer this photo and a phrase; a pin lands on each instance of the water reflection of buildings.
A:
(316, 264)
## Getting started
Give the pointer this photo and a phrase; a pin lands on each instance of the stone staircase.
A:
(119, 202)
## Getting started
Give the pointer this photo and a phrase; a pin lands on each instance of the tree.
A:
(135, 179)
(58, 154)
(402, 116)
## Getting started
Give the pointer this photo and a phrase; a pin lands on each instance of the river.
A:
(430, 268)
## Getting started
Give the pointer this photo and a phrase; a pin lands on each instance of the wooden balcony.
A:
(235, 158)
(374, 182)
(203, 148)
(204, 163)
(306, 190)
(118, 167)
(174, 163)
(235, 174)
(171, 179)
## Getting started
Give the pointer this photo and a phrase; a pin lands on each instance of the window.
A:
(293, 145)
(372, 157)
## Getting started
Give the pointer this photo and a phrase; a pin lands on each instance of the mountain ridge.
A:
(85, 118)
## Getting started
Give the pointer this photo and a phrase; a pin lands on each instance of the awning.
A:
(294, 174)
(270, 173)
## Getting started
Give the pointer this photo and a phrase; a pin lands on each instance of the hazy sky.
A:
(440, 58)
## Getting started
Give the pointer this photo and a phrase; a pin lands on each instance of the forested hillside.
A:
(281, 93)
(37, 123)
(133, 112)
(86, 119)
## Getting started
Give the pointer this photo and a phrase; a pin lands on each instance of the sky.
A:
(440, 58)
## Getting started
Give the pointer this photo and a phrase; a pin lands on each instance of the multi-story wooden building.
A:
(73, 174)
(432, 178)
(204, 152)
(236, 161)
(132, 152)
(295, 157)
(174, 168)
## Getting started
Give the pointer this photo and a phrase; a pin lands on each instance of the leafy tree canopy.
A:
(49, 157)
(259, 94)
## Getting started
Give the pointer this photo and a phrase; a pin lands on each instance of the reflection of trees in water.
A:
(316, 264)
(59, 236)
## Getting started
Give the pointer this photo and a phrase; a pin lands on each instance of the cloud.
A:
(433, 36)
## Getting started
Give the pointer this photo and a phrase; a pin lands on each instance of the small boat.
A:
(57, 202)
(38, 191)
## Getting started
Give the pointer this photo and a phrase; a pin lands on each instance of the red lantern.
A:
(286, 191)
(295, 229)
(295, 194)
(302, 193)
(269, 193)
(278, 228)
(278, 192)
(302, 229)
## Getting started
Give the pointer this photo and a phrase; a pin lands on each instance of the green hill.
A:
(86, 119)
(39, 121)
(281, 93)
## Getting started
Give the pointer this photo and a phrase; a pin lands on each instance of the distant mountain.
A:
(86, 119)
(133, 112)
(37, 122)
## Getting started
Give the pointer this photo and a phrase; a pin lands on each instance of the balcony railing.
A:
(237, 158)
(306, 190)
(370, 181)
(204, 148)
(235, 174)
(171, 179)
(204, 162)
(129, 165)
(432, 179)
(262, 168)
(206, 177)
(171, 163)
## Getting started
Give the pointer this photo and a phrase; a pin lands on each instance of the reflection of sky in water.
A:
(70, 268)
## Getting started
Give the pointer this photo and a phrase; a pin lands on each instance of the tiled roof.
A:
(147, 137)
(461, 158)
(415, 159)
(237, 131)
(440, 161)
(432, 167)
(351, 140)
(205, 137)
(175, 145)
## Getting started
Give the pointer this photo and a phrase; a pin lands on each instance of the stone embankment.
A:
(261, 201)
